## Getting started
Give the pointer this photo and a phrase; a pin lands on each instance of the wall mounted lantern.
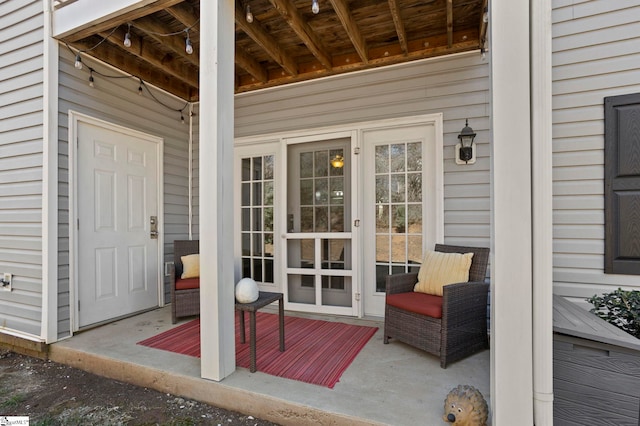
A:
(466, 149)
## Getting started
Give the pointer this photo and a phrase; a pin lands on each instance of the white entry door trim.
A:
(75, 120)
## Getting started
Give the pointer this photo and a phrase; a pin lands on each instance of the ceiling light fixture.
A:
(188, 47)
(127, 37)
(337, 162)
(249, 16)
(315, 7)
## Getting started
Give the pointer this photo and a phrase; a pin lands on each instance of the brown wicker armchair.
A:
(185, 293)
(462, 328)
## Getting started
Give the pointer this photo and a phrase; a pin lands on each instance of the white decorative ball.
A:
(247, 291)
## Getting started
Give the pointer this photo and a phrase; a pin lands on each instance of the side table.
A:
(265, 298)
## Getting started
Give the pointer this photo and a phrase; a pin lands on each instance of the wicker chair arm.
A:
(460, 298)
(401, 283)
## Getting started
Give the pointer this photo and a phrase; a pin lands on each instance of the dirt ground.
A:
(55, 394)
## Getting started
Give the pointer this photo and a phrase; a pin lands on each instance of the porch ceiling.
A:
(286, 42)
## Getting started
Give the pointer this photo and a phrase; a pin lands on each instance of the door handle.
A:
(153, 222)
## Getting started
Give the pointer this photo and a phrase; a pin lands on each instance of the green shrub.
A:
(620, 308)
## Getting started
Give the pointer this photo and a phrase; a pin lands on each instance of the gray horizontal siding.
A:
(21, 136)
(595, 54)
(117, 101)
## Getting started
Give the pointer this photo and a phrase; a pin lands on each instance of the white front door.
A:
(320, 271)
(117, 203)
(402, 203)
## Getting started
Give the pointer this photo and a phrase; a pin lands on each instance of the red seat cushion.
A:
(187, 283)
(420, 303)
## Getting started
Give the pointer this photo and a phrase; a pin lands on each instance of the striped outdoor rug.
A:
(316, 352)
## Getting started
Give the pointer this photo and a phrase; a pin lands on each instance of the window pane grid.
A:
(257, 200)
(398, 209)
(321, 192)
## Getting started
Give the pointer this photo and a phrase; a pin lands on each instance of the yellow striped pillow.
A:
(191, 266)
(439, 269)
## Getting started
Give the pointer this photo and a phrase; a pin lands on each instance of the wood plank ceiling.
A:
(285, 42)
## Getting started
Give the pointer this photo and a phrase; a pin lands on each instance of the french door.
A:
(319, 240)
(324, 218)
(403, 207)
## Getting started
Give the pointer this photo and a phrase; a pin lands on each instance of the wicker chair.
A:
(462, 329)
(185, 293)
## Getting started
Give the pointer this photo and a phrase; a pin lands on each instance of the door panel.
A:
(117, 192)
(319, 247)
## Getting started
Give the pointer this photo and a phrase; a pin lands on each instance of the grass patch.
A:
(45, 421)
(13, 401)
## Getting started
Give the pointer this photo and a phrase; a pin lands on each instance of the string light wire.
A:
(92, 71)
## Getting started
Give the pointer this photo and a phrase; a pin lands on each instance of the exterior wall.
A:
(595, 54)
(21, 139)
(457, 86)
(116, 101)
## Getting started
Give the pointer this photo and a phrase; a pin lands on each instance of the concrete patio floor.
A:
(392, 384)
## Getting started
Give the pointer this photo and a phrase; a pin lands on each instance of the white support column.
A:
(542, 155)
(511, 274)
(49, 320)
(216, 189)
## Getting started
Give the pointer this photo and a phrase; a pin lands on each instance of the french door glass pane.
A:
(398, 209)
(257, 200)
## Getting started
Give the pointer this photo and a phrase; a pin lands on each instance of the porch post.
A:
(542, 170)
(511, 270)
(49, 321)
(217, 37)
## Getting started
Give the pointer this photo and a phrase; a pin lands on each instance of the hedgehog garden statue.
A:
(465, 406)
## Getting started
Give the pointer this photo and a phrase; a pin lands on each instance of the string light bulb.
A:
(181, 117)
(140, 88)
(127, 37)
(91, 79)
(78, 63)
(188, 46)
(249, 16)
(315, 7)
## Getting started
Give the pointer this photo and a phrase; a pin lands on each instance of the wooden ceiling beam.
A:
(484, 24)
(253, 67)
(187, 15)
(290, 14)
(450, 23)
(156, 58)
(176, 43)
(351, 26)
(152, 75)
(122, 19)
(266, 41)
(399, 23)
(381, 56)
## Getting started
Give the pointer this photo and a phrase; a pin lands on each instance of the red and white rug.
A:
(317, 352)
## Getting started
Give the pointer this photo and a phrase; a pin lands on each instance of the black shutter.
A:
(622, 184)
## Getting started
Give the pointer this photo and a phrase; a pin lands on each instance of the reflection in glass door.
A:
(319, 226)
